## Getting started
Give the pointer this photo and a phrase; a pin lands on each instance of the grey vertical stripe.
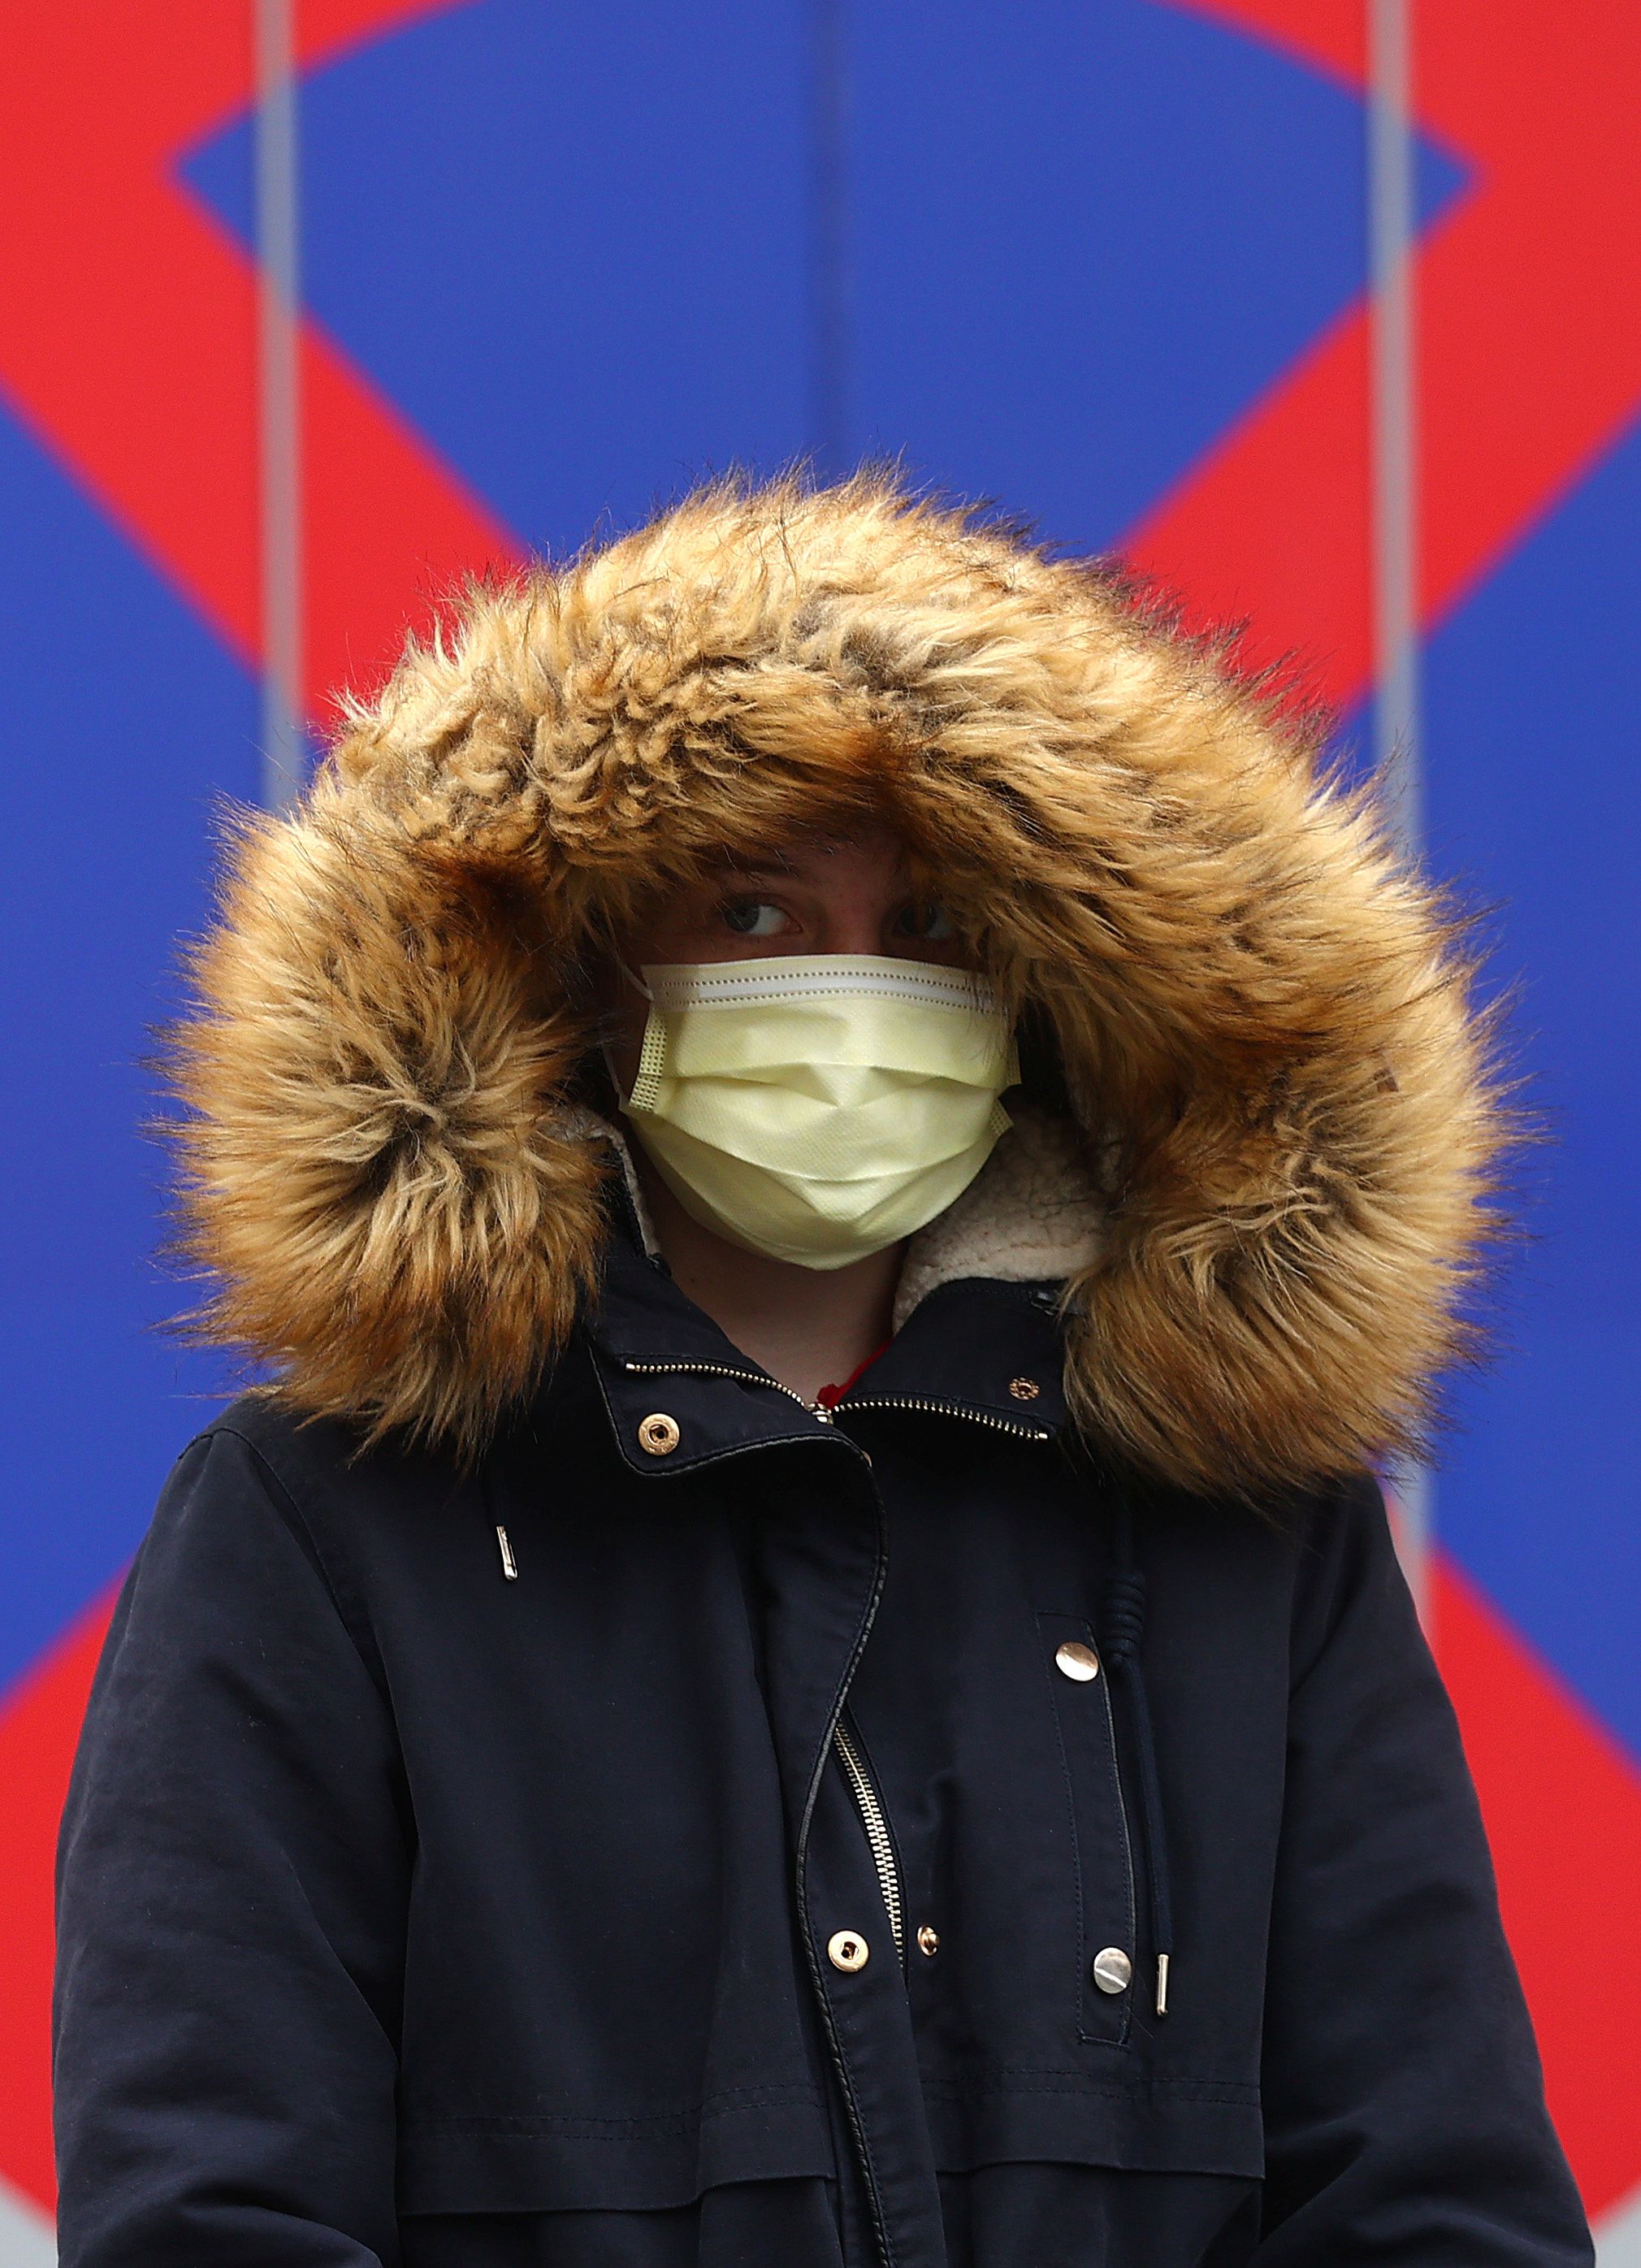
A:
(1391, 226)
(1392, 216)
(829, 438)
(27, 2240)
(1618, 2235)
(279, 403)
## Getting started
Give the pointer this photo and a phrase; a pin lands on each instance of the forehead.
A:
(813, 855)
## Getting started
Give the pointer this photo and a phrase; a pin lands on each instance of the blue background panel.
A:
(125, 719)
(578, 250)
(575, 246)
(1043, 252)
(1089, 234)
(1532, 798)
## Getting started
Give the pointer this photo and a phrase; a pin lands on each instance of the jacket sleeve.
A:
(1404, 2109)
(231, 1884)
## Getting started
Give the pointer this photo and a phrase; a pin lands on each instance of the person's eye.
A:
(924, 920)
(752, 916)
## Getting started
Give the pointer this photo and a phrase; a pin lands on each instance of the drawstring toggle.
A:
(1125, 1628)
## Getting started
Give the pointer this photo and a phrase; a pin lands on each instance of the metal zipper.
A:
(827, 1417)
(723, 1370)
(851, 2108)
(875, 1819)
(955, 1409)
(867, 1797)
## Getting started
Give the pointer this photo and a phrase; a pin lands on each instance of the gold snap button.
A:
(1024, 1390)
(658, 1434)
(928, 1939)
(1076, 1660)
(1112, 1971)
(847, 1949)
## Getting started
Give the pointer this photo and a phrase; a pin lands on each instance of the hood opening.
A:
(1244, 1018)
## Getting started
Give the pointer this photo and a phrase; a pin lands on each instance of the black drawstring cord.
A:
(1125, 1628)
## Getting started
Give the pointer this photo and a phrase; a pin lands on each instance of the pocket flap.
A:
(641, 2161)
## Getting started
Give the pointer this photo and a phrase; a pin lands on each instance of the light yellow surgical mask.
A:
(819, 1109)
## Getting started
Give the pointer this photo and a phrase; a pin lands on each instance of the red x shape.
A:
(1528, 325)
(128, 329)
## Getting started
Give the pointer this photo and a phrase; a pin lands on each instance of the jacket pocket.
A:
(1102, 1858)
(642, 2160)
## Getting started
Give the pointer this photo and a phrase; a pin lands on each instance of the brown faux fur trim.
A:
(1258, 1010)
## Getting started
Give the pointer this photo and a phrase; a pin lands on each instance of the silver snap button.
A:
(928, 1939)
(658, 1434)
(847, 1949)
(1076, 1660)
(1112, 1971)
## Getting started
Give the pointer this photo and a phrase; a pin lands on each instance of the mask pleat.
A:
(818, 1109)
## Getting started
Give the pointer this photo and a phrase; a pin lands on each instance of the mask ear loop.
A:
(651, 1054)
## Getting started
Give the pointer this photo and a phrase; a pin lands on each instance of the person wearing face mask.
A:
(841, 1158)
(809, 1076)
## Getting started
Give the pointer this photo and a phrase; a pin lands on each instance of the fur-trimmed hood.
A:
(1275, 1085)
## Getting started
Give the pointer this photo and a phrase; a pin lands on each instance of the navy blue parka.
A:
(552, 1796)
(459, 1870)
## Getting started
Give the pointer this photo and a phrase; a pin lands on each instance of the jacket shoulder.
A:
(1346, 1564)
(325, 1465)
(262, 1471)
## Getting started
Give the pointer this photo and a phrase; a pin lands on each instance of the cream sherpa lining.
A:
(1032, 1215)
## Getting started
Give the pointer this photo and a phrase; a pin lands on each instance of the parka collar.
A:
(680, 1394)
